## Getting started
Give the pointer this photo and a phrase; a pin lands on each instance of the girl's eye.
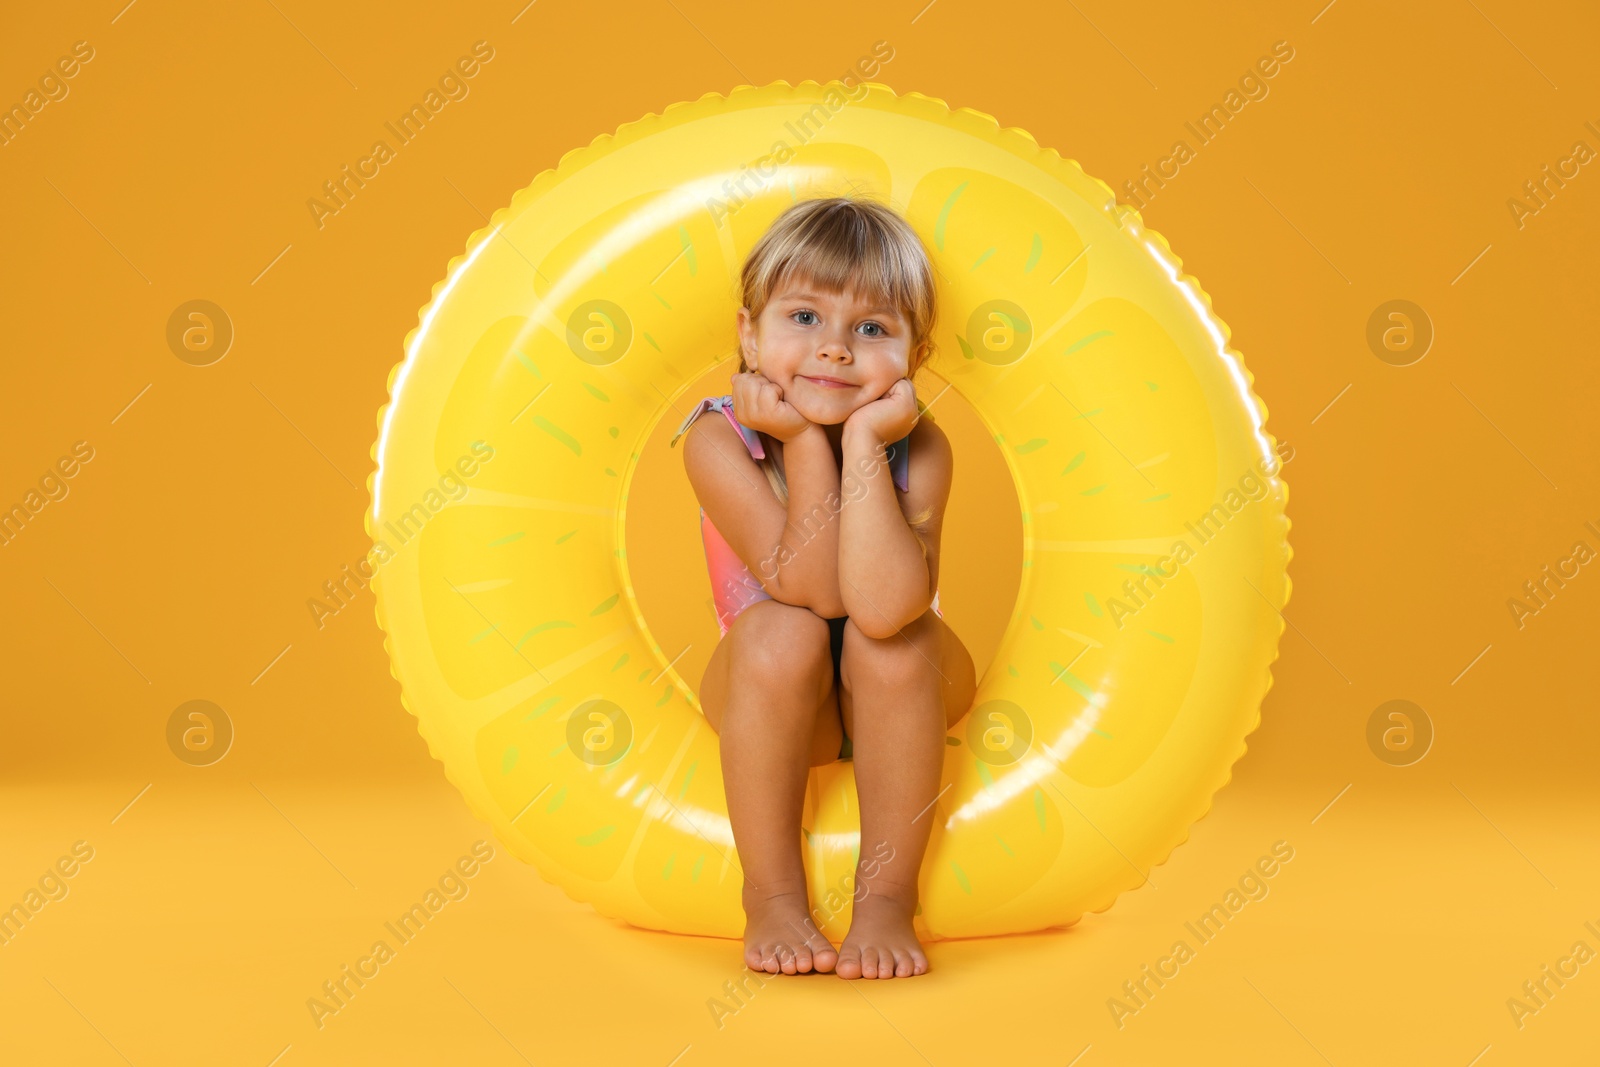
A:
(874, 326)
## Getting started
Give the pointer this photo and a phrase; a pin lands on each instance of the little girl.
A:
(822, 493)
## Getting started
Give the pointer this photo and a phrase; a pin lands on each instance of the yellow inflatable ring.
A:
(1155, 542)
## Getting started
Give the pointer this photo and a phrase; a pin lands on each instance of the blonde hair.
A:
(844, 244)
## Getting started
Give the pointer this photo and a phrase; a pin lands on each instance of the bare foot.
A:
(779, 935)
(880, 943)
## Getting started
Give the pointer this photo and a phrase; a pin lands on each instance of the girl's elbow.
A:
(876, 625)
(874, 630)
(801, 597)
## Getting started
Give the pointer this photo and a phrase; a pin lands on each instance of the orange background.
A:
(1378, 167)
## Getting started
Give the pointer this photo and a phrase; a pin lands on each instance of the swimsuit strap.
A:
(724, 404)
(898, 454)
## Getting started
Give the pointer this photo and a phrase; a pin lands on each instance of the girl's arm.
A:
(887, 576)
(806, 557)
(793, 552)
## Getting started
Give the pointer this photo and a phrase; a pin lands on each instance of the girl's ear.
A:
(747, 339)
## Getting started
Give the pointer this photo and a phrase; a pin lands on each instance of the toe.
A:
(849, 963)
(869, 962)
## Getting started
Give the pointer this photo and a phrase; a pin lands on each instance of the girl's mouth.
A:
(827, 383)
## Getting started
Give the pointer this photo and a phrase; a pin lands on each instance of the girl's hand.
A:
(888, 418)
(758, 403)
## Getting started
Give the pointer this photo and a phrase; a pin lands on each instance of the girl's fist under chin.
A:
(891, 416)
(759, 404)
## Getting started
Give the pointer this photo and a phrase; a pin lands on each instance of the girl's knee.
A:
(909, 654)
(775, 640)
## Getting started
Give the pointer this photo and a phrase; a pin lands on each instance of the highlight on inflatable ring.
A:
(1154, 555)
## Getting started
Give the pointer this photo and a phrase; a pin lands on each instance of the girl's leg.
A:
(768, 692)
(900, 696)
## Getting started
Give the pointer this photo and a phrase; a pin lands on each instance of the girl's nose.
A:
(835, 347)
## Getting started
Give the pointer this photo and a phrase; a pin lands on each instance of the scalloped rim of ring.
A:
(979, 123)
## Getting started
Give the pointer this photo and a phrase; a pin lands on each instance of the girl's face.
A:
(830, 353)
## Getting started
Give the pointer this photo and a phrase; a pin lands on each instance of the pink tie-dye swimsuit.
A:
(733, 587)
